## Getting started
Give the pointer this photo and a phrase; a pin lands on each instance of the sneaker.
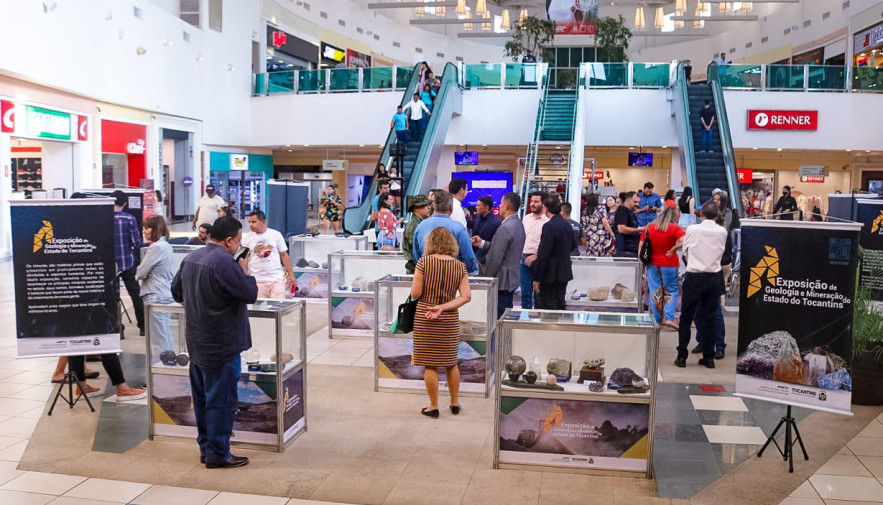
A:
(90, 391)
(719, 354)
(131, 395)
(707, 363)
(697, 349)
(681, 363)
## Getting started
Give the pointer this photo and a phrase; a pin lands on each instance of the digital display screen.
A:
(466, 158)
(479, 184)
(640, 159)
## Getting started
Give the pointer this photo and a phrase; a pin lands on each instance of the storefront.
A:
(332, 56)
(287, 52)
(241, 180)
(45, 146)
(123, 154)
(868, 47)
(176, 164)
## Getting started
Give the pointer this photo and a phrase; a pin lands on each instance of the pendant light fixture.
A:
(522, 15)
(420, 11)
(723, 6)
(480, 7)
(486, 26)
(680, 7)
(504, 23)
(639, 17)
(697, 23)
(468, 26)
(461, 8)
(659, 20)
(746, 6)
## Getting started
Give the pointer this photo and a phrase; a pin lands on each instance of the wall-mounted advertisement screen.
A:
(640, 159)
(478, 184)
(573, 17)
(466, 158)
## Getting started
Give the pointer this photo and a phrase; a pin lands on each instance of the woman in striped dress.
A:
(437, 279)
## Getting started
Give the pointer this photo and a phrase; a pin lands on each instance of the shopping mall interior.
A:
(269, 104)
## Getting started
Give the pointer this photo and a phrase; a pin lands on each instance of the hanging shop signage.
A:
(868, 39)
(813, 170)
(355, 59)
(82, 128)
(7, 116)
(783, 119)
(65, 286)
(238, 162)
(812, 178)
(280, 38)
(598, 175)
(795, 313)
(333, 165)
(332, 54)
(47, 123)
(744, 175)
(870, 214)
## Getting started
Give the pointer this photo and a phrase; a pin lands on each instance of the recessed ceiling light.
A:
(754, 148)
(867, 150)
(361, 145)
(484, 145)
(289, 150)
(380, 146)
(306, 145)
(665, 147)
(779, 149)
(287, 145)
(849, 150)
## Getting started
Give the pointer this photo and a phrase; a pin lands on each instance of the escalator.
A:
(418, 155)
(716, 168)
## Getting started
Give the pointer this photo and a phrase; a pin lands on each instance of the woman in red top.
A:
(665, 238)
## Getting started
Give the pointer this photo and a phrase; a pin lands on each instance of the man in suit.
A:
(503, 252)
(484, 226)
(552, 269)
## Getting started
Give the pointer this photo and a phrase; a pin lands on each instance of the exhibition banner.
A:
(795, 313)
(577, 434)
(395, 371)
(870, 214)
(352, 316)
(66, 295)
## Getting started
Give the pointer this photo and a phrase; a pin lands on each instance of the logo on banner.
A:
(806, 292)
(768, 267)
(43, 236)
(7, 116)
(761, 119)
(279, 39)
(877, 223)
(82, 128)
(783, 119)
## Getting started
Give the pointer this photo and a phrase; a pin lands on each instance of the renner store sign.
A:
(783, 119)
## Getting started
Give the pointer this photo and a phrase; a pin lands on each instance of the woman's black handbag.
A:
(405, 316)
(645, 249)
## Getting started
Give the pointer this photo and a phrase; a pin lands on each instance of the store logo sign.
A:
(47, 124)
(279, 39)
(783, 119)
(744, 175)
(82, 128)
(43, 236)
(238, 162)
(877, 224)
(7, 116)
(768, 267)
(812, 178)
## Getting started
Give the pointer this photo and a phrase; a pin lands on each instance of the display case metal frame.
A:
(254, 310)
(519, 319)
(331, 244)
(579, 263)
(381, 329)
(337, 272)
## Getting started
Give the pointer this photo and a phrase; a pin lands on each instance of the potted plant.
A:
(529, 38)
(612, 38)
(867, 350)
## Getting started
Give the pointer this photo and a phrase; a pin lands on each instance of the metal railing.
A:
(681, 106)
(723, 126)
(533, 147)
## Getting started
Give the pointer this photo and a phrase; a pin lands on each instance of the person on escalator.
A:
(416, 108)
(688, 71)
(400, 124)
(434, 84)
(707, 116)
(428, 96)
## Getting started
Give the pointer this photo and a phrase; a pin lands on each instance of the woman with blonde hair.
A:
(437, 279)
(665, 237)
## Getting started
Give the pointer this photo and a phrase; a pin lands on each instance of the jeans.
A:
(670, 280)
(402, 136)
(128, 278)
(720, 336)
(215, 399)
(504, 301)
(552, 296)
(527, 295)
(701, 293)
(707, 139)
(383, 240)
(160, 329)
(416, 129)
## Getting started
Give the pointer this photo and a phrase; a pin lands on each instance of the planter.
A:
(867, 380)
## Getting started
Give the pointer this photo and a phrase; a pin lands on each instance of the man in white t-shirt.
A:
(457, 189)
(209, 206)
(268, 260)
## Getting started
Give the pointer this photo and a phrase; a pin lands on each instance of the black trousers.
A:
(504, 301)
(552, 295)
(699, 302)
(111, 364)
(128, 278)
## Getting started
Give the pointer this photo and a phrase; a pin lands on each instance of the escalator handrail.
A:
(362, 218)
(532, 148)
(723, 126)
(683, 99)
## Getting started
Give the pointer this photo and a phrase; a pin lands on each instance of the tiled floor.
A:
(849, 477)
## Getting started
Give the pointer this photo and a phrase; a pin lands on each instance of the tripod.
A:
(69, 379)
(787, 447)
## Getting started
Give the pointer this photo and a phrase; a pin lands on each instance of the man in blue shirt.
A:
(649, 205)
(216, 291)
(127, 240)
(400, 124)
(484, 226)
(442, 203)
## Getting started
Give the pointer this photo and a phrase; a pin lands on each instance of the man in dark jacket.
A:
(503, 253)
(786, 207)
(552, 269)
(484, 226)
(216, 291)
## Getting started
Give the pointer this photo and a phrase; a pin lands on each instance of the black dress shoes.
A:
(697, 349)
(681, 363)
(719, 354)
(707, 363)
(232, 462)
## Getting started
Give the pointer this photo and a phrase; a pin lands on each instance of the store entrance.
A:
(243, 190)
(177, 174)
(758, 195)
(41, 169)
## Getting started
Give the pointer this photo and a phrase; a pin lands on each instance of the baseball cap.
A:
(210, 188)
(418, 201)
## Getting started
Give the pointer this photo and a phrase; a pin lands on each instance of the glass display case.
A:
(272, 386)
(393, 370)
(309, 260)
(351, 289)
(605, 285)
(576, 391)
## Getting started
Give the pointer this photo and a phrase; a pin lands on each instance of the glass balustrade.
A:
(608, 75)
(785, 77)
(377, 78)
(522, 75)
(403, 77)
(260, 84)
(867, 79)
(280, 82)
(483, 76)
(309, 81)
(827, 78)
(650, 75)
(344, 79)
(741, 76)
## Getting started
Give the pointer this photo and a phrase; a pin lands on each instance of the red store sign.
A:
(783, 119)
(814, 178)
(744, 175)
(7, 116)
(598, 175)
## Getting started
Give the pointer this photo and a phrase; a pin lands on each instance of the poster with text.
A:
(571, 433)
(573, 17)
(795, 313)
(293, 400)
(870, 214)
(65, 289)
(352, 316)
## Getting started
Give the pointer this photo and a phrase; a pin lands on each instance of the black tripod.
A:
(787, 447)
(70, 378)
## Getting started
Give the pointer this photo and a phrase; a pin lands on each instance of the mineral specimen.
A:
(286, 357)
(599, 294)
(594, 363)
(516, 365)
(530, 377)
(559, 367)
(302, 263)
(597, 386)
(624, 377)
(183, 359)
(628, 296)
(837, 381)
(773, 356)
(253, 356)
(617, 290)
(168, 358)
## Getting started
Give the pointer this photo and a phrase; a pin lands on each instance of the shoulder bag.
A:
(646, 253)
(405, 316)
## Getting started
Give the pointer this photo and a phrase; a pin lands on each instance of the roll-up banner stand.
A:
(870, 214)
(795, 313)
(63, 265)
